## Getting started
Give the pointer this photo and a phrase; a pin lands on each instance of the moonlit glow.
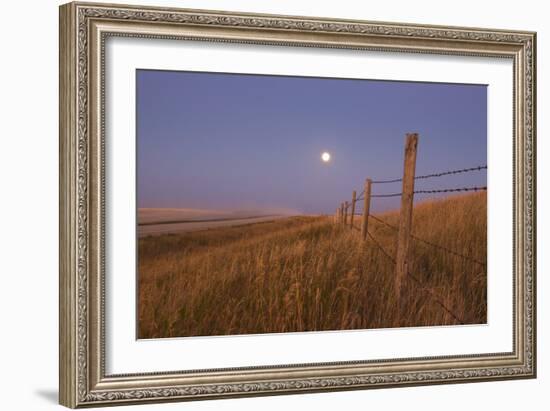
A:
(325, 157)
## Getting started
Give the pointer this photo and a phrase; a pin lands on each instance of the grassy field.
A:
(308, 274)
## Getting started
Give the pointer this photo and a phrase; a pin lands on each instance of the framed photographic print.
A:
(260, 204)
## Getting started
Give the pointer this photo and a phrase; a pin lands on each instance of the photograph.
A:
(286, 204)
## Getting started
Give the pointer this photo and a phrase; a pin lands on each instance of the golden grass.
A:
(307, 274)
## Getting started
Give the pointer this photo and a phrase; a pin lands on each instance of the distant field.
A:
(305, 273)
(158, 221)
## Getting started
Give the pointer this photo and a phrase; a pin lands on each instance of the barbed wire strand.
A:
(386, 195)
(430, 243)
(442, 190)
(380, 247)
(434, 296)
(441, 174)
(436, 299)
(451, 190)
(444, 173)
(397, 180)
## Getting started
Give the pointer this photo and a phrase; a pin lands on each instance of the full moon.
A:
(325, 157)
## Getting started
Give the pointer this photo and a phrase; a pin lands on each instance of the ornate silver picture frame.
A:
(84, 30)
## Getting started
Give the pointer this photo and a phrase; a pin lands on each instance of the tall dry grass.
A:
(307, 274)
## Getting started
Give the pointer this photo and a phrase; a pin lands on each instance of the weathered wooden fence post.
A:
(346, 205)
(336, 215)
(353, 196)
(341, 213)
(406, 213)
(366, 210)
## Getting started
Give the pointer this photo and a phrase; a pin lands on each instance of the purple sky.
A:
(218, 141)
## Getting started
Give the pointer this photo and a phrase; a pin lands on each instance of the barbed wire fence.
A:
(404, 229)
(437, 299)
(414, 237)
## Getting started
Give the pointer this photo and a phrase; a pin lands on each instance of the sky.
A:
(242, 142)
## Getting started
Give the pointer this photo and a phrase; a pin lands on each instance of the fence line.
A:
(440, 174)
(405, 219)
(443, 190)
(433, 295)
(387, 195)
(451, 190)
(430, 243)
